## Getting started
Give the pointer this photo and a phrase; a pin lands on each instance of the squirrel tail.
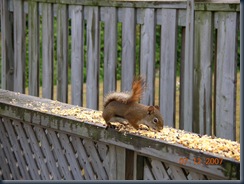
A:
(134, 95)
(138, 87)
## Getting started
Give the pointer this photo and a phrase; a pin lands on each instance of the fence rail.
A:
(41, 145)
(209, 47)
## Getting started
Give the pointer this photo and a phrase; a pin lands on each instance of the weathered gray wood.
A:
(47, 50)
(226, 76)
(195, 176)
(95, 160)
(168, 65)
(83, 158)
(62, 53)
(33, 23)
(59, 155)
(16, 149)
(69, 154)
(27, 152)
(45, 147)
(93, 59)
(7, 70)
(116, 163)
(158, 170)
(19, 47)
(155, 148)
(147, 172)
(77, 55)
(110, 50)
(38, 155)
(103, 151)
(176, 173)
(128, 48)
(186, 104)
(5, 165)
(202, 91)
(147, 55)
(138, 4)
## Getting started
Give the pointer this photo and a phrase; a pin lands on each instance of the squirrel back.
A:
(134, 95)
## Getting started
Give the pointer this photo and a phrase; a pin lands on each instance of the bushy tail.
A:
(138, 87)
(127, 97)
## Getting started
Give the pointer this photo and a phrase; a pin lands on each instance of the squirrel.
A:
(122, 106)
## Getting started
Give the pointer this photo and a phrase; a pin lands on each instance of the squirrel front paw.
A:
(109, 125)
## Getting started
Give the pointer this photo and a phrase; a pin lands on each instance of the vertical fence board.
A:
(226, 76)
(77, 57)
(47, 50)
(110, 50)
(7, 77)
(19, 46)
(202, 107)
(147, 54)
(62, 53)
(186, 104)
(116, 163)
(128, 47)
(33, 23)
(93, 59)
(168, 65)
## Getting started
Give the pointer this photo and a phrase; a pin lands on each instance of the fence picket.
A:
(147, 55)
(62, 53)
(34, 48)
(77, 58)
(168, 65)
(128, 48)
(225, 108)
(93, 59)
(47, 50)
(110, 50)
(202, 93)
(7, 73)
(19, 47)
(186, 104)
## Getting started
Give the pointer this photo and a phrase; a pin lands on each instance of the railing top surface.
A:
(15, 105)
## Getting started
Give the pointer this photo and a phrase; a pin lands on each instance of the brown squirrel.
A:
(122, 106)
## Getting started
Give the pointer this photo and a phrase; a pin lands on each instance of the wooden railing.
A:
(209, 50)
(37, 144)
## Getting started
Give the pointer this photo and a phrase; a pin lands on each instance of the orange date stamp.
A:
(198, 161)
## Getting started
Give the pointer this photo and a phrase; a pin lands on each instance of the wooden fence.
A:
(41, 145)
(209, 50)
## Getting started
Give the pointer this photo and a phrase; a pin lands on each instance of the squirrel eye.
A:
(155, 120)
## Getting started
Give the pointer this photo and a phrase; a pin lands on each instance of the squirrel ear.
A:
(150, 110)
(157, 107)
